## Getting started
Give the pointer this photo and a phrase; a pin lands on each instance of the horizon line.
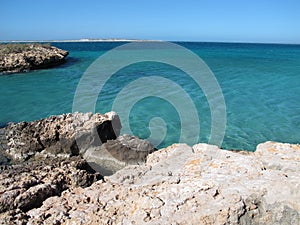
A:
(140, 40)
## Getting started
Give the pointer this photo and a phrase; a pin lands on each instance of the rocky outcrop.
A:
(116, 154)
(60, 136)
(47, 158)
(16, 58)
(26, 186)
(176, 185)
(187, 185)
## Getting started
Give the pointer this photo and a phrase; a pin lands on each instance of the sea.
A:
(258, 86)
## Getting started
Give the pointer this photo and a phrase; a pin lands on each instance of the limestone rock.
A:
(26, 186)
(3, 146)
(60, 136)
(16, 58)
(187, 185)
(116, 154)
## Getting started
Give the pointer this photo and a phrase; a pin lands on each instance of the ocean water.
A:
(260, 84)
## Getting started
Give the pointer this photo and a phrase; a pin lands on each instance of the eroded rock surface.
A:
(47, 158)
(3, 146)
(16, 58)
(27, 185)
(176, 185)
(188, 185)
(116, 154)
(60, 136)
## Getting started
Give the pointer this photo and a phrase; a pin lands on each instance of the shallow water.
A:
(260, 84)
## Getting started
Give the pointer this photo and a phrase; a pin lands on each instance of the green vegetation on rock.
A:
(20, 47)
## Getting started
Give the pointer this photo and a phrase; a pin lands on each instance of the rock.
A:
(60, 136)
(43, 153)
(26, 186)
(116, 154)
(4, 160)
(186, 185)
(16, 58)
(176, 185)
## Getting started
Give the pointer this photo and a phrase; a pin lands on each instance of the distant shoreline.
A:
(139, 40)
(85, 40)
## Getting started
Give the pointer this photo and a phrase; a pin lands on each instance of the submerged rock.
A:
(188, 185)
(16, 58)
(60, 136)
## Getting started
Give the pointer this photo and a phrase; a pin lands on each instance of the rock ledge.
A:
(15, 58)
(187, 185)
(180, 184)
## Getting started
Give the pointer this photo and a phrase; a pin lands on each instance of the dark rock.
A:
(116, 154)
(26, 186)
(60, 136)
(4, 160)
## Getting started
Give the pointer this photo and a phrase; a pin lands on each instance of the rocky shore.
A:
(15, 58)
(60, 168)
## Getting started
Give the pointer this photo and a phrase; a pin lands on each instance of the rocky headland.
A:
(15, 58)
(61, 166)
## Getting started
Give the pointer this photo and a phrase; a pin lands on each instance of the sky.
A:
(264, 21)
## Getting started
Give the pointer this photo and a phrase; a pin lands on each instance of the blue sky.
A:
(191, 20)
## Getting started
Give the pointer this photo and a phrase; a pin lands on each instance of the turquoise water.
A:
(260, 84)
